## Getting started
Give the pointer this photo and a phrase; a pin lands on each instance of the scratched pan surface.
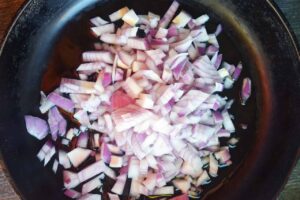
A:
(46, 41)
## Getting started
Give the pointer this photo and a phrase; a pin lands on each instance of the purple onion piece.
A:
(57, 123)
(36, 127)
(61, 102)
(237, 72)
(246, 91)
(166, 19)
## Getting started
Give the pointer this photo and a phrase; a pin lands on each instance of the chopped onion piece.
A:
(167, 18)
(130, 18)
(98, 56)
(213, 166)
(145, 101)
(119, 186)
(133, 171)
(45, 103)
(72, 194)
(164, 190)
(36, 127)
(99, 30)
(61, 102)
(246, 91)
(116, 162)
(90, 171)
(201, 20)
(118, 14)
(138, 43)
(78, 155)
(113, 196)
(64, 160)
(91, 185)
(76, 86)
(98, 21)
(203, 178)
(90, 197)
(183, 185)
(132, 88)
(57, 123)
(55, 166)
(182, 19)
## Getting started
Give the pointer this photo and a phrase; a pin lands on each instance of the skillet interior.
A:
(56, 32)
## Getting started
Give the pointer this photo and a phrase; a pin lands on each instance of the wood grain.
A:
(291, 8)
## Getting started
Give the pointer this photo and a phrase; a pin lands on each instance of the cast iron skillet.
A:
(45, 43)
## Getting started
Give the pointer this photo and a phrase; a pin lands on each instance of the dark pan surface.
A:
(45, 44)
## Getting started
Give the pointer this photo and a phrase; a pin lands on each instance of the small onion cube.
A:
(183, 185)
(119, 186)
(99, 30)
(118, 14)
(64, 160)
(116, 162)
(91, 185)
(167, 18)
(61, 102)
(164, 190)
(36, 127)
(133, 171)
(201, 20)
(72, 194)
(98, 21)
(182, 19)
(130, 18)
(78, 155)
(90, 197)
(113, 196)
(246, 91)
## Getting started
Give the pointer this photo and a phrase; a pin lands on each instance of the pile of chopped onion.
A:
(147, 108)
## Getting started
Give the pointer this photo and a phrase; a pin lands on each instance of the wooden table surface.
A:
(291, 8)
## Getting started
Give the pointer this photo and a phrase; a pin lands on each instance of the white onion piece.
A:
(71, 179)
(119, 186)
(182, 19)
(166, 19)
(118, 14)
(76, 86)
(114, 39)
(133, 171)
(98, 21)
(99, 30)
(55, 166)
(161, 33)
(91, 171)
(113, 196)
(78, 155)
(64, 160)
(90, 197)
(98, 56)
(203, 179)
(137, 43)
(164, 190)
(45, 104)
(183, 185)
(130, 18)
(201, 20)
(91, 185)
